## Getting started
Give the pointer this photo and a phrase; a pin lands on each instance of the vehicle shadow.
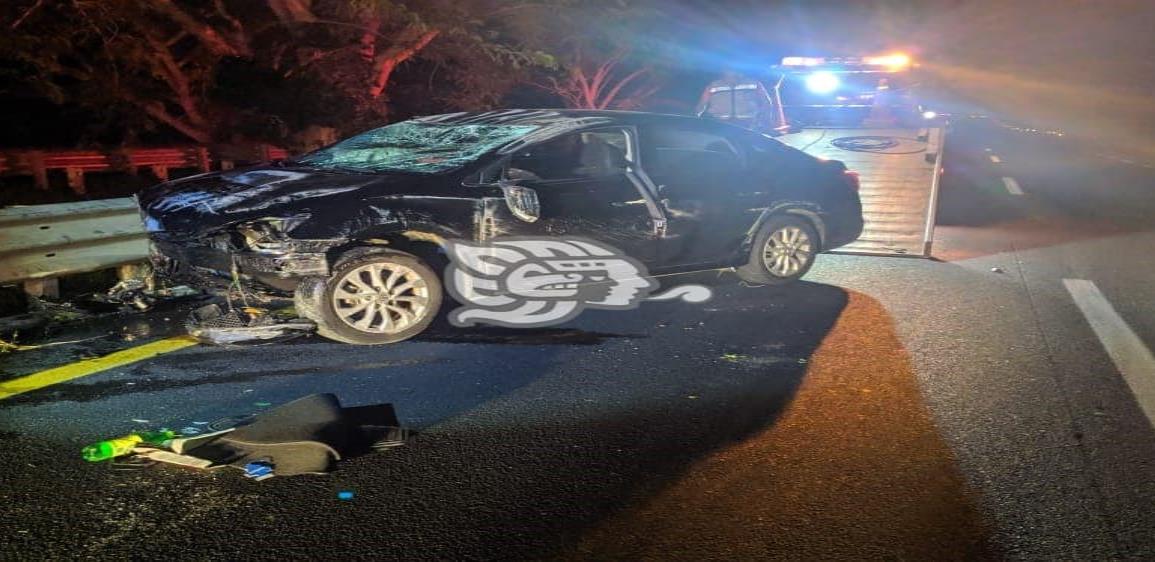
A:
(758, 425)
(446, 333)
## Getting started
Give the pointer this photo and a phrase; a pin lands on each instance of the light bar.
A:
(895, 61)
(803, 61)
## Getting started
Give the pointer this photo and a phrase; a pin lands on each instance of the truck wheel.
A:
(374, 298)
(782, 253)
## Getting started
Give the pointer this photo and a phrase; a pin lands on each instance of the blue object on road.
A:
(345, 495)
(259, 470)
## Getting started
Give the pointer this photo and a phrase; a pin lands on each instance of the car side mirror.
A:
(522, 202)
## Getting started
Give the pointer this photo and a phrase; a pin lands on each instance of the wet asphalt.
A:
(957, 408)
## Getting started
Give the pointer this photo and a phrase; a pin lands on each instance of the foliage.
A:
(231, 69)
(600, 54)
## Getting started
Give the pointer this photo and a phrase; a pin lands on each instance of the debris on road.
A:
(142, 295)
(10, 346)
(209, 324)
(306, 436)
(259, 470)
(122, 446)
(160, 455)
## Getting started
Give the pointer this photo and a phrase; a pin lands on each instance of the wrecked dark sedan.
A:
(356, 231)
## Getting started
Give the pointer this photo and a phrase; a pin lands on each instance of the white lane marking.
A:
(996, 159)
(1133, 359)
(1012, 186)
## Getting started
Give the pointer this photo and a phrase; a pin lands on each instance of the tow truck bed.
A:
(899, 183)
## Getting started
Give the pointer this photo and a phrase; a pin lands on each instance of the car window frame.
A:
(631, 157)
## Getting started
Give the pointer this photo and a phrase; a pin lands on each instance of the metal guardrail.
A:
(76, 163)
(49, 241)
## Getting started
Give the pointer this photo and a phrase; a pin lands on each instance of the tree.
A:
(603, 82)
(197, 66)
(601, 45)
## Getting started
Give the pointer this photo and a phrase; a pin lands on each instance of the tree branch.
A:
(156, 111)
(394, 55)
(26, 13)
(293, 11)
(214, 41)
(613, 93)
(175, 79)
(368, 42)
(238, 27)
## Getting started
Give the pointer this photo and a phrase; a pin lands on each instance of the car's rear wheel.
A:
(373, 298)
(782, 252)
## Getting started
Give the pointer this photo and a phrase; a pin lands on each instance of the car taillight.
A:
(851, 179)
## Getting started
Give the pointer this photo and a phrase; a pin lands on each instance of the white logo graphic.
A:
(530, 282)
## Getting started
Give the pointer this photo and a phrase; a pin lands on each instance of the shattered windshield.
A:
(410, 146)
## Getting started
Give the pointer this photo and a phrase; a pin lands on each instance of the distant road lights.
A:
(929, 115)
(822, 82)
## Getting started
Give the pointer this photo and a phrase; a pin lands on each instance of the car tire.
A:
(782, 252)
(372, 299)
(307, 298)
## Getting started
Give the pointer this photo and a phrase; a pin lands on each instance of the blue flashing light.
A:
(822, 82)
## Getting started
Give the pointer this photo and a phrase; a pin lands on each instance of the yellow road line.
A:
(87, 367)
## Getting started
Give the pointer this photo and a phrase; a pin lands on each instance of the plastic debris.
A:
(209, 324)
(306, 436)
(138, 294)
(259, 470)
(345, 495)
(996, 270)
(169, 457)
(121, 446)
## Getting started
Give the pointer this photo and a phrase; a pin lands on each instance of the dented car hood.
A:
(191, 207)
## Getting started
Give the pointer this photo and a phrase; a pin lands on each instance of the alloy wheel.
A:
(381, 298)
(788, 250)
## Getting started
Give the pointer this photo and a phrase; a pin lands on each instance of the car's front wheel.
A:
(373, 298)
(782, 252)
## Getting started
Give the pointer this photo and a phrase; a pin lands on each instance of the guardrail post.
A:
(160, 171)
(39, 171)
(134, 271)
(203, 161)
(76, 180)
(42, 288)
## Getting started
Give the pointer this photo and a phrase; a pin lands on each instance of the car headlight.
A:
(268, 234)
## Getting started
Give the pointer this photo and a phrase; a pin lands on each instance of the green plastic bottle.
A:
(120, 446)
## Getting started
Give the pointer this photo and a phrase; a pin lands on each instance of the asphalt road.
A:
(958, 408)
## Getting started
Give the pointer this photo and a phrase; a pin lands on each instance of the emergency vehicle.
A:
(865, 111)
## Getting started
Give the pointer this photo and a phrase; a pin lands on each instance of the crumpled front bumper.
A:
(199, 264)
